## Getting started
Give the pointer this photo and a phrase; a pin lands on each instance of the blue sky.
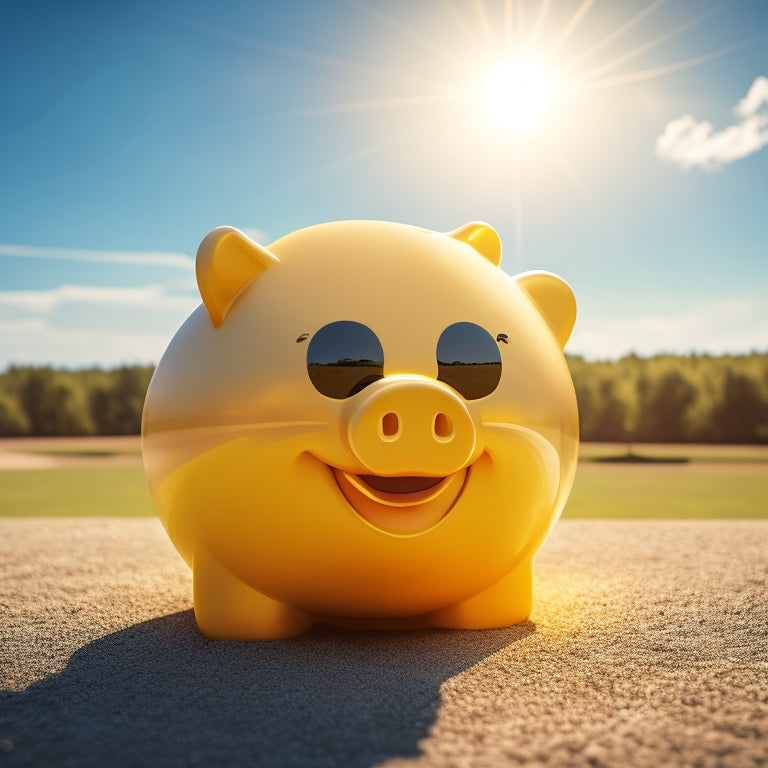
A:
(129, 130)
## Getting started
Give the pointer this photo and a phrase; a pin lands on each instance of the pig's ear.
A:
(482, 237)
(226, 262)
(554, 298)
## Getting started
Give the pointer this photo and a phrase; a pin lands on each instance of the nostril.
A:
(390, 425)
(443, 427)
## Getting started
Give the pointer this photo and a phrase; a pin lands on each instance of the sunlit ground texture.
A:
(103, 476)
(646, 647)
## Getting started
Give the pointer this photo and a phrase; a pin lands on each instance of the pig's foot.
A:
(228, 609)
(505, 603)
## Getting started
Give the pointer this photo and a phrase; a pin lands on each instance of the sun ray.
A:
(486, 30)
(485, 23)
(570, 27)
(299, 55)
(517, 207)
(636, 19)
(649, 74)
(428, 128)
(539, 24)
(368, 105)
(514, 25)
(522, 23)
(510, 30)
(462, 26)
(648, 45)
(406, 31)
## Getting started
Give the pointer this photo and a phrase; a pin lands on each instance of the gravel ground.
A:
(647, 647)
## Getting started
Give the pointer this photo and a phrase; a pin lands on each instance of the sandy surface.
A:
(647, 647)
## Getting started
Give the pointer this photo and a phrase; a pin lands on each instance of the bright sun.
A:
(517, 94)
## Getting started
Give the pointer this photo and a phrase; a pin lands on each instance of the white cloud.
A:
(756, 97)
(44, 302)
(157, 258)
(688, 142)
(257, 235)
(36, 342)
(84, 325)
(727, 326)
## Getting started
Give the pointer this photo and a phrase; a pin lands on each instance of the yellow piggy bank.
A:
(365, 423)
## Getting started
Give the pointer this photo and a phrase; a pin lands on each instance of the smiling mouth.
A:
(406, 484)
(405, 504)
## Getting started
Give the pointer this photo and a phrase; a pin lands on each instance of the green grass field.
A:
(715, 482)
(695, 490)
(76, 492)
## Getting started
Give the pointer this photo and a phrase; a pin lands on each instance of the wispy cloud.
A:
(45, 301)
(688, 142)
(157, 258)
(756, 97)
(37, 342)
(84, 325)
(736, 325)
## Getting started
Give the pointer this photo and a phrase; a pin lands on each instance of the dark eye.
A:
(343, 358)
(468, 360)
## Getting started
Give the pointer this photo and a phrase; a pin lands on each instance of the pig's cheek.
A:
(526, 466)
(327, 439)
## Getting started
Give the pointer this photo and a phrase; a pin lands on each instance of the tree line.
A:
(673, 399)
(695, 398)
(42, 401)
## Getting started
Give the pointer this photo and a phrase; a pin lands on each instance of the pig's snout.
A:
(408, 425)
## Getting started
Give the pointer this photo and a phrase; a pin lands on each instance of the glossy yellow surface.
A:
(404, 504)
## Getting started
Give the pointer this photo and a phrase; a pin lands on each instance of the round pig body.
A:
(365, 423)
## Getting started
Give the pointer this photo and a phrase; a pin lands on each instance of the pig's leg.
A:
(228, 609)
(505, 603)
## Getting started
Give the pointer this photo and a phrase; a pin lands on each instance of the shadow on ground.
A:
(159, 693)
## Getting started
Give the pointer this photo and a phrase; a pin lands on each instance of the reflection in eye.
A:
(343, 358)
(468, 360)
